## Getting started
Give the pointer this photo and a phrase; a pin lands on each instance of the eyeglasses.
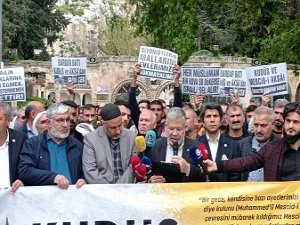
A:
(22, 117)
(62, 120)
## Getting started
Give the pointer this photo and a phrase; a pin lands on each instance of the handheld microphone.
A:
(138, 169)
(175, 148)
(139, 172)
(134, 161)
(195, 155)
(203, 150)
(150, 138)
(197, 158)
(147, 163)
(140, 143)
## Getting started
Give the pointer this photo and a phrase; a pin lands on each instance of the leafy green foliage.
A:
(27, 24)
(268, 29)
(173, 25)
(121, 38)
(28, 99)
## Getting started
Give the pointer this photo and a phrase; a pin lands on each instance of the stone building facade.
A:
(109, 79)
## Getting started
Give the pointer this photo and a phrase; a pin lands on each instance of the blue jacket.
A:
(35, 165)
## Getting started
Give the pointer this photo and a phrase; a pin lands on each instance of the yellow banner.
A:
(234, 203)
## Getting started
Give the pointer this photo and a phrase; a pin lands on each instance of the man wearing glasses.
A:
(174, 149)
(53, 158)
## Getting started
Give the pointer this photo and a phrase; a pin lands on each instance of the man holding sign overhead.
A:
(157, 63)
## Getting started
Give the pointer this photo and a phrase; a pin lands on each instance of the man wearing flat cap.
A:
(108, 149)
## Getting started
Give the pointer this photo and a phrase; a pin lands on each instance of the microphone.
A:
(175, 148)
(147, 163)
(140, 143)
(203, 150)
(139, 170)
(150, 138)
(195, 155)
(134, 161)
(197, 158)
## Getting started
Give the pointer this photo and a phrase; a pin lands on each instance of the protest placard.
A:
(69, 70)
(232, 80)
(12, 85)
(157, 63)
(205, 80)
(268, 78)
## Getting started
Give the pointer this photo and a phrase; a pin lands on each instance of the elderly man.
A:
(20, 118)
(279, 158)
(263, 122)
(32, 109)
(107, 150)
(53, 157)
(147, 121)
(163, 149)
(10, 146)
(192, 121)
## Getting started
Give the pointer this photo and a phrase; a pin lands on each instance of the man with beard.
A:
(73, 107)
(107, 150)
(280, 158)
(53, 158)
(20, 118)
(278, 110)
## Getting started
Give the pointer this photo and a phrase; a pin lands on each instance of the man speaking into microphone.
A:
(174, 148)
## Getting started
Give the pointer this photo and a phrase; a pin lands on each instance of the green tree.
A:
(284, 44)
(31, 24)
(172, 25)
(28, 99)
(121, 38)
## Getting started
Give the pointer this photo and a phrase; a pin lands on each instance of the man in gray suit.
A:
(108, 149)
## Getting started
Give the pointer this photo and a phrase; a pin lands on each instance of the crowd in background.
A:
(67, 144)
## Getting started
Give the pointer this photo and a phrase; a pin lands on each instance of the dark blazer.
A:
(270, 156)
(158, 153)
(16, 139)
(228, 148)
(23, 129)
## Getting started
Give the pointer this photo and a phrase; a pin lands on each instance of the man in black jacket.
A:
(10, 146)
(164, 149)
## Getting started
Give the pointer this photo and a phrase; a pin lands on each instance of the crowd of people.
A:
(69, 144)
